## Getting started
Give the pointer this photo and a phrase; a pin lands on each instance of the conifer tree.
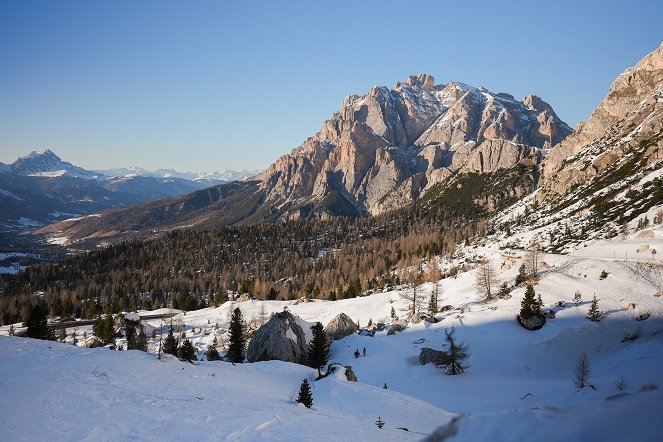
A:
(522, 274)
(170, 344)
(577, 298)
(186, 352)
(594, 314)
(237, 340)
(432, 306)
(379, 423)
(318, 349)
(582, 372)
(212, 354)
(38, 324)
(528, 306)
(11, 330)
(457, 353)
(305, 397)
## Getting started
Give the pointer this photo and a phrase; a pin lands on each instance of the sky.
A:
(212, 85)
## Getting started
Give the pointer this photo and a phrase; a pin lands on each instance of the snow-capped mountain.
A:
(210, 177)
(48, 164)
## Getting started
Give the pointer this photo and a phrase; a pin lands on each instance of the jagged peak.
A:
(536, 103)
(47, 153)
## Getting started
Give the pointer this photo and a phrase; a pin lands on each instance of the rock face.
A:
(627, 123)
(340, 327)
(388, 146)
(436, 357)
(281, 338)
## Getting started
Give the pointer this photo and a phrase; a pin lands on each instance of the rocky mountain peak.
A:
(379, 141)
(535, 103)
(423, 81)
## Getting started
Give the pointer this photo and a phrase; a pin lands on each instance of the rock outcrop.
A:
(436, 357)
(340, 327)
(390, 145)
(281, 338)
(628, 123)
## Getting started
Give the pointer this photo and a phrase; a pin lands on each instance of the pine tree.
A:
(577, 298)
(170, 344)
(305, 397)
(594, 314)
(38, 323)
(237, 340)
(212, 354)
(187, 352)
(379, 423)
(522, 274)
(318, 349)
(393, 313)
(537, 308)
(582, 372)
(432, 306)
(457, 353)
(11, 330)
(528, 306)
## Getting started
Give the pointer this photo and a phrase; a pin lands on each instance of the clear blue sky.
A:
(203, 85)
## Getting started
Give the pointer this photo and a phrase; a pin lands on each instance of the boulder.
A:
(532, 323)
(642, 317)
(431, 356)
(349, 374)
(92, 342)
(395, 328)
(281, 338)
(340, 327)
(631, 306)
(367, 332)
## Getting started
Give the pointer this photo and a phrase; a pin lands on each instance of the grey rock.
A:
(532, 323)
(395, 328)
(281, 338)
(349, 374)
(431, 356)
(340, 327)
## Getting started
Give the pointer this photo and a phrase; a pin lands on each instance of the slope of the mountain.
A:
(622, 137)
(387, 147)
(225, 204)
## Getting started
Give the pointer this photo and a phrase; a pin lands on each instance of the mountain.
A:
(389, 146)
(224, 176)
(41, 188)
(381, 151)
(621, 139)
(47, 164)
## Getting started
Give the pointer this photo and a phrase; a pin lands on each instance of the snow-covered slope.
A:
(58, 392)
(519, 382)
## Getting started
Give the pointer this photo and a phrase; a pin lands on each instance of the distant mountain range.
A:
(223, 176)
(40, 188)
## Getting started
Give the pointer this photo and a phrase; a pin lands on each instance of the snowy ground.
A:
(520, 382)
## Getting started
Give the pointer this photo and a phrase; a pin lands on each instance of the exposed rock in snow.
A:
(281, 338)
(436, 357)
(340, 327)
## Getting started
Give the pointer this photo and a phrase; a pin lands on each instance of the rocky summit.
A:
(626, 126)
(387, 147)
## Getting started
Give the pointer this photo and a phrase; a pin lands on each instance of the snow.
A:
(97, 394)
(519, 382)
